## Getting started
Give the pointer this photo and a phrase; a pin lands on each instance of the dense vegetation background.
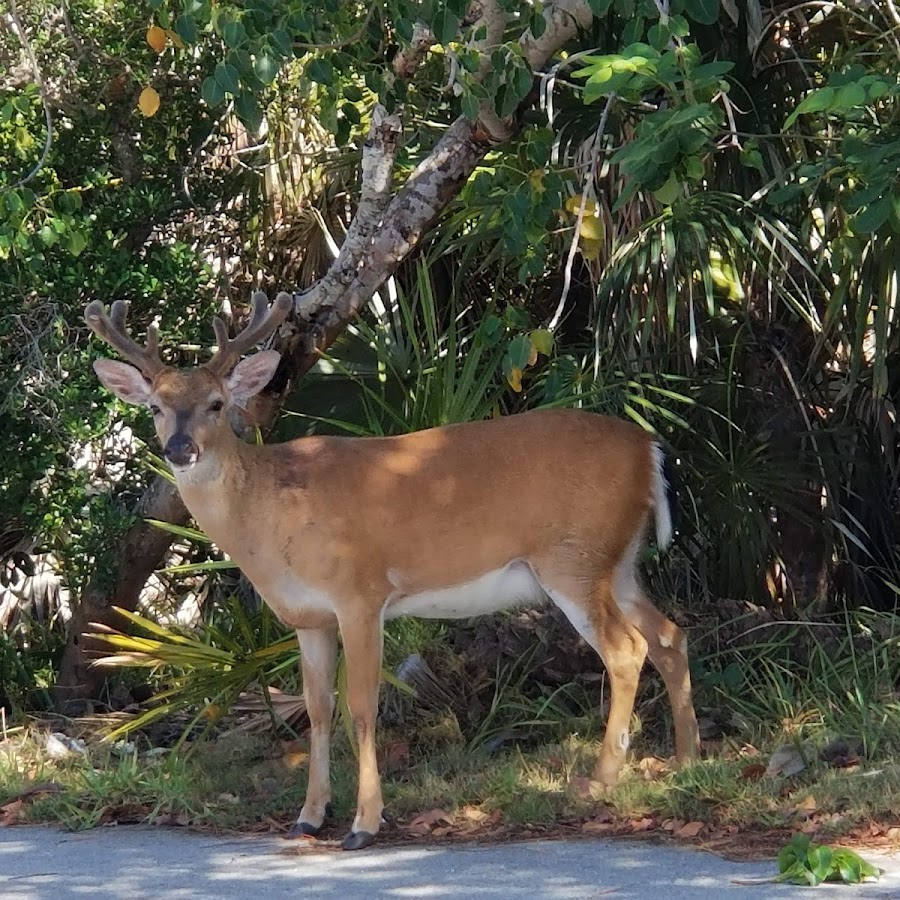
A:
(686, 212)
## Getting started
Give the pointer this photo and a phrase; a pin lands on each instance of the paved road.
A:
(131, 863)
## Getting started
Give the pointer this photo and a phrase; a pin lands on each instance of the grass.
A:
(826, 694)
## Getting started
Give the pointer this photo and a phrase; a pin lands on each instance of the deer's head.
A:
(190, 407)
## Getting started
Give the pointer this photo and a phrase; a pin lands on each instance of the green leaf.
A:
(48, 235)
(445, 26)
(599, 7)
(321, 71)
(706, 12)
(76, 242)
(227, 76)
(519, 351)
(186, 28)
(523, 80)
(469, 106)
(247, 108)
(266, 67)
(669, 192)
(873, 216)
(537, 23)
(212, 92)
(633, 30)
(234, 33)
(542, 339)
(282, 42)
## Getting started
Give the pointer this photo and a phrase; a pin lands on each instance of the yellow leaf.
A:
(157, 38)
(532, 356)
(175, 38)
(590, 249)
(542, 341)
(148, 102)
(515, 380)
(573, 204)
(592, 228)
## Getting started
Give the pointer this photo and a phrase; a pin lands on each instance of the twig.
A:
(338, 45)
(570, 260)
(14, 23)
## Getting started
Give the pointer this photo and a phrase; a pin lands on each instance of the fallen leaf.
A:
(473, 814)
(431, 818)
(753, 772)
(785, 761)
(690, 830)
(157, 38)
(644, 824)
(10, 812)
(582, 787)
(603, 813)
(148, 103)
(595, 826)
(294, 759)
(395, 755)
(807, 804)
(652, 767)
(495, 818)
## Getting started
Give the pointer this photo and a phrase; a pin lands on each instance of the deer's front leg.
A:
(362, 638)
(318, 659)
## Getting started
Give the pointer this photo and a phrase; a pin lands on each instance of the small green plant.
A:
(803, 862)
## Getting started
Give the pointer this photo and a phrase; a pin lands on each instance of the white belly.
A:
(513, 585)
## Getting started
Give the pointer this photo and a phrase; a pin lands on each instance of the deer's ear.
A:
(251, 375)
(123, 380)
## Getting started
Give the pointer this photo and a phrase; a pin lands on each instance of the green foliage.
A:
(205, 672)
(803, 862)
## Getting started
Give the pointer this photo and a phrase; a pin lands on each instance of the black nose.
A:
(180, 450)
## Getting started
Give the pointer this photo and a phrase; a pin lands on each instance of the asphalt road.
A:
(129, 863)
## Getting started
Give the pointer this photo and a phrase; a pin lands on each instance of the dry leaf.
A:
(753, 772)
(395, 755)
(585, 788)
(652, 767)
(690, 830)
(595, 826)
(148, 103)
(807, 804)
(10, 812)
(431, 818)
(644, 824)
(473, 814)
(157, 38)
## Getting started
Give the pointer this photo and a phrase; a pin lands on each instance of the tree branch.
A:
(14, 23)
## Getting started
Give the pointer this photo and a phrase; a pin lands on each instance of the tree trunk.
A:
(140, 553)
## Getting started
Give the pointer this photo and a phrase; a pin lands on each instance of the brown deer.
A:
(339, 534)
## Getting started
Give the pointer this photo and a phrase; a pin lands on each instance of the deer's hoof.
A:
(358, 840)
(305, 829)
(302, 829)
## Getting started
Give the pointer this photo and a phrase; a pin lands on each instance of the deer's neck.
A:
(218, 489)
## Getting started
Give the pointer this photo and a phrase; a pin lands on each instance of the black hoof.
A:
(302, 829)
(357, 840)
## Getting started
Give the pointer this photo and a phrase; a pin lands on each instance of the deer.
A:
(339, 534)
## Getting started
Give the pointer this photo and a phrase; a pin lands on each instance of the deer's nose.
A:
(180, 450)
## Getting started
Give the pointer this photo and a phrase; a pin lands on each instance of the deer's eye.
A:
(154, 409)
(216, 406)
